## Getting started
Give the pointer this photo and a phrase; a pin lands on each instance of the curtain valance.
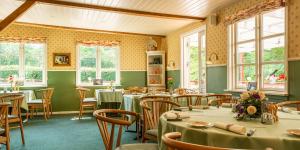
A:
(254, 10)
(23, 39)
(99, 43)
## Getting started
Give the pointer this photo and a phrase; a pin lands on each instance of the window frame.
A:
(259, 38)
(21, 69)
(98, 66)
(183, 68)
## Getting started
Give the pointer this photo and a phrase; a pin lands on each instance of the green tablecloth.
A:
(103, 95)
(131, 103)
(273, 136)
(29, 95)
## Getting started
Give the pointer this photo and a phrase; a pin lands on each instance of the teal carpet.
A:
(62, 133)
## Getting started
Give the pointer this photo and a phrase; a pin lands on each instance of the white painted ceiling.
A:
(111, 21)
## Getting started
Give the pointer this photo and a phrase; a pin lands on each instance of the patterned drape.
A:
(23, 39)
(254, 10)
(99, 43)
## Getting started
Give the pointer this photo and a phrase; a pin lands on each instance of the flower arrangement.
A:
(170, 82)
(249, 105)
(11, 80)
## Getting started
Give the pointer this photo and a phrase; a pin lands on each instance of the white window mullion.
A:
(22, 61)
(259, 77)
(98, 63)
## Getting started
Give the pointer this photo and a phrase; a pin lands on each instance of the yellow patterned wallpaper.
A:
(173, 42)
(133, 47)
(217, 35)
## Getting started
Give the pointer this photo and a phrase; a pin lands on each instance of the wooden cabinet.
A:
(156, 69)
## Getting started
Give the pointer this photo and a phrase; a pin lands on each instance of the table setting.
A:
(230, 127)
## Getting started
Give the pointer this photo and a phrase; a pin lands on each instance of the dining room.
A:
(149, 74)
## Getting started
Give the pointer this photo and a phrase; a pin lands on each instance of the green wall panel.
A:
(65, 97)
(216, 79)
(294, 80)
(175, 74)
(133, 78)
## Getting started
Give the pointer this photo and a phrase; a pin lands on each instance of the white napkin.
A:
(226, 105)
(176, 115)
(200, 107)
(286, 110)
(231, 127)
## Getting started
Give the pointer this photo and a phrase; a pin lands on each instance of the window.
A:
(23, 61)
(194, 61)
(98, 62)
(258, 52)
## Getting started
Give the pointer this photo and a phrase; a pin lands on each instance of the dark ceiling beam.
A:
(15, 14)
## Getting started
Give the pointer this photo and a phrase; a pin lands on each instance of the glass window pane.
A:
(33, 76)
(34, 54)
(108, 57)
(194, 66)
(274, 76)
(246, 30)
(88, 56)
(87, 76)
(246, 53)
(274, 22)
(273, 49)
(9, 60)
(4, 74)
(108, 76)
(245, 74)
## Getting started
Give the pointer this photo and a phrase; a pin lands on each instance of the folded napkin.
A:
(199, 107)
(226, 105)
(286, 110)
(176, 115)
(231, 127)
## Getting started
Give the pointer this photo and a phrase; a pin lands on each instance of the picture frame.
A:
(61, 59)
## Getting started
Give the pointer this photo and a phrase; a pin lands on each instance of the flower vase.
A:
(11, 87)
(171, 90)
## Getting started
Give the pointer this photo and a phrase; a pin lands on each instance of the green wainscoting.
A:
(216, 77)
(133, 78)
(294, 80)
(175, 74)
(65, 97)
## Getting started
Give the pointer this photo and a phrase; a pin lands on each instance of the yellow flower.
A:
(262, 95)
(251, 110)
(244, 96)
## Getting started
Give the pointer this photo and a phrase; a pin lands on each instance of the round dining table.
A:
(273, 136)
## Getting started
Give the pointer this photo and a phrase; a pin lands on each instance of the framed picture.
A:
(61, 59)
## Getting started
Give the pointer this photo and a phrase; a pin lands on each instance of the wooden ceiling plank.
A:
(15, 14)
(118, 10)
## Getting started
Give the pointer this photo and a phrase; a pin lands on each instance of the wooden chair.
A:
(84, 101)
(108, 140)
(220, 98)
(51, 90)
(42, 103)
(288, 103)
(189, 99)
(153, 107)
(170, 141)
(15, 113)
(4, 129)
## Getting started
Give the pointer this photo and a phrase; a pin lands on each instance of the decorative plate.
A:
(199, 124)
(294, 132)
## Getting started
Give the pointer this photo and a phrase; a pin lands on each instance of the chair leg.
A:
(51, 110)
(22, 131)
(45, 115)
(80, 111)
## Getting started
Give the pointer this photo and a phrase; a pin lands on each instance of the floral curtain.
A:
(23, 39)
(99, 43)
(254, 10)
